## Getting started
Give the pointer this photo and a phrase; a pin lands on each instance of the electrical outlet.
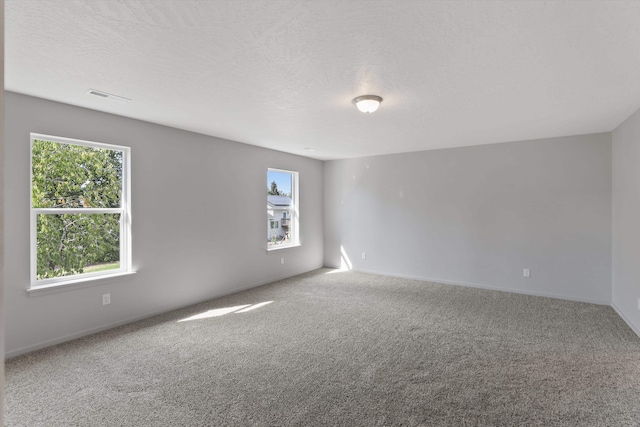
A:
(364, 255)
(638, 303)
(526, 272)
(106, 299)
(282, 260)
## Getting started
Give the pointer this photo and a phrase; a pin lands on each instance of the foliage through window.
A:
(282, 208)
(80, 222)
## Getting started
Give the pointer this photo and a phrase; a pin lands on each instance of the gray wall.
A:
(198, 209)
(479, 215)
(2, 320)
(626, 220)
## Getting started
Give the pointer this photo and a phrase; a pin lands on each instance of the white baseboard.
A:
(48, 343)
(633, 327)
(493, 288)
(86, 332)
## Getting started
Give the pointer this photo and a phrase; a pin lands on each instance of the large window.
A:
(282, 209)
(80, 219)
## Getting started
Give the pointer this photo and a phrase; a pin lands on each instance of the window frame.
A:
(294, 217)
(124, 210)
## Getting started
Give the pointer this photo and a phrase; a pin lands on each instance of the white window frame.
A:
(294, 218)
(124, 210)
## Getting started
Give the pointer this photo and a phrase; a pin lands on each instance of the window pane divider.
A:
(61, 211)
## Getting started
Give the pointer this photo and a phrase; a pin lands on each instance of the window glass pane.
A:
(77, 243)
(279, 207)
(75, 176)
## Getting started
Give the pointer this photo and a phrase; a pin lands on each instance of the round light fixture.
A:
(367, 103)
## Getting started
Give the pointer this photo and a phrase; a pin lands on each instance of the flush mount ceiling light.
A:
(106, 95)
(367, 103)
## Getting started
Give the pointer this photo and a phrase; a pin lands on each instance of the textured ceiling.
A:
(281, 74)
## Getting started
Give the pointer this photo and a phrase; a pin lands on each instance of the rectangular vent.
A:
(107, 95)
(93, 92)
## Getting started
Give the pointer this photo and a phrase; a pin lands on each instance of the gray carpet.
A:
(346, 349)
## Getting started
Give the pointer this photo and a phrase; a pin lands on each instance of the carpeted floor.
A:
(348, 349)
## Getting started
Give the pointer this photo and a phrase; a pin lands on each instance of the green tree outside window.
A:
(78, 177)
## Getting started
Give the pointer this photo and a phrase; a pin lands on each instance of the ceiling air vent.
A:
(107, 95)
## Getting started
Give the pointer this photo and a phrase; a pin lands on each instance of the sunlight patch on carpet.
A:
(217, 312)
(254, 306)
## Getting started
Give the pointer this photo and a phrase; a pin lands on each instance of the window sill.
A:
(279, 248)
(83, 282)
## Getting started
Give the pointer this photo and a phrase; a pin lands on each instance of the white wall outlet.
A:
(638, 303)
(106, 299)
(526, 272)
(364, 255)
(282, 260)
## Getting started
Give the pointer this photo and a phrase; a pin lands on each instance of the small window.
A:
(80, 219)
(282, 209)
